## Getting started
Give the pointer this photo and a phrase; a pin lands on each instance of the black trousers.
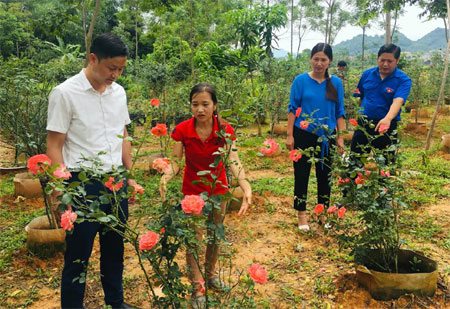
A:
(302, 169)
(360, 142)
(78, 250)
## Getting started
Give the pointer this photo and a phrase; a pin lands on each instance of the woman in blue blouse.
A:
(316, 110)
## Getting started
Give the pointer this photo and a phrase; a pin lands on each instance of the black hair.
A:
(331, 92)
(390, 49)
(204, 87)
(342, 63)
(108, 45)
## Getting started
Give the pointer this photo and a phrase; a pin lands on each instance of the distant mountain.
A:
(432, 41)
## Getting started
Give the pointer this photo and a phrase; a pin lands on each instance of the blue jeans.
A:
(78, 250)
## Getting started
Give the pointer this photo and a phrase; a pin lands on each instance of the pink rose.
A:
(304, 124)
(154, 102)
(270, 146)
(62, 172)
(162, 165)
(148, 241)
(202, 286)
(368, 173)
(113, 186)
(319, 209)
(298, 112)
(38, 163)
(383, 128)
(192, 204)
(258, 273)
(159, 130)
(295, 155)
(68, 219)
(332, 209)
(341, 212)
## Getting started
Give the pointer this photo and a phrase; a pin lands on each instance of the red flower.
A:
(360, 179)
(258, 273)
(159, 130)
(385, 190)
(343, 181)
(68, 219)
(38, 163)
(192, 204)
(202, 286)
(295, 155)
(385, 174)
(319, 209)
(62, 172)
(304, 124)
(367, 173)
(332, 209)
(357, 90)
(341, 212)
(154, 102)
(353, 122)
(383, 128)
(298, 112)
(162, 230)
(113, 186)
(148, 241)
(270, 147)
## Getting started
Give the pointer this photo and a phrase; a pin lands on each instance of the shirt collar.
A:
(191, 132)
(393, 74)
(86, 84)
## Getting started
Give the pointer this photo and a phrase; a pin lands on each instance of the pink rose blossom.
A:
(383, 128)
(162, 165)
(332, 209)
(295, 155)
(258, 273)
(385, 174)
(68, 219)
(341, 212)
(319, 209)
(148, 241)
(38, 163)
(62, 172)
(270, 146)
(192, 204)
(304, 124)
(367, 173)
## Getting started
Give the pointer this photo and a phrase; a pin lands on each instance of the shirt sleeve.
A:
(340, 111)
(229, 129)
(404, 89)
(177, 133)
(59, 112)
(296, 95)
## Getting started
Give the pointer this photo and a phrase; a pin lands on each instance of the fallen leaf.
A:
(15, 293)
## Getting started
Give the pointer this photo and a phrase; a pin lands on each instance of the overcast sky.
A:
(409, 24)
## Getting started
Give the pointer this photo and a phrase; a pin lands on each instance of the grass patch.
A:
(6, 186)
(277, 186)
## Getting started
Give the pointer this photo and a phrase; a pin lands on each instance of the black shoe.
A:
(124, 305)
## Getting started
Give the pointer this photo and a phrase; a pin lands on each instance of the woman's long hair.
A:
(331, 92)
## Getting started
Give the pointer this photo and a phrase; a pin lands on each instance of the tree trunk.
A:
(362, 47)
(446, 29)
(441, 92)
(395, 25)
(388, 28)
(88, 36)
(292, 27)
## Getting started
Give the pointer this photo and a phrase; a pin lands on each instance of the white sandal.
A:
(304, 227)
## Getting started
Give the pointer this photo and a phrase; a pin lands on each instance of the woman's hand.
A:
(290, 142)
(246, 202)
(340, 144)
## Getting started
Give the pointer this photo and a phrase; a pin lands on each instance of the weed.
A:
(6, 186)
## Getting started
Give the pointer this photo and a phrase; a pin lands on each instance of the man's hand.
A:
(131, 183)
(340, 145)
(290, 142)
(383, 125)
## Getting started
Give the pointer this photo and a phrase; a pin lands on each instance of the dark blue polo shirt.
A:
(378, 94)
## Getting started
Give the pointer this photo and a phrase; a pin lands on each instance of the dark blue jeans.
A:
(78, 250)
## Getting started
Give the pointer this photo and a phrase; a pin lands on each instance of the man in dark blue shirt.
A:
(382, 91)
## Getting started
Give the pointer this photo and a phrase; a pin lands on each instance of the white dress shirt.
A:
(91, 120)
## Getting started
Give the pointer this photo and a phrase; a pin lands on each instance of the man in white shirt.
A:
(86, 113)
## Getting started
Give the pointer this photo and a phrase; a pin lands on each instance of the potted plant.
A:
(372, 234)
